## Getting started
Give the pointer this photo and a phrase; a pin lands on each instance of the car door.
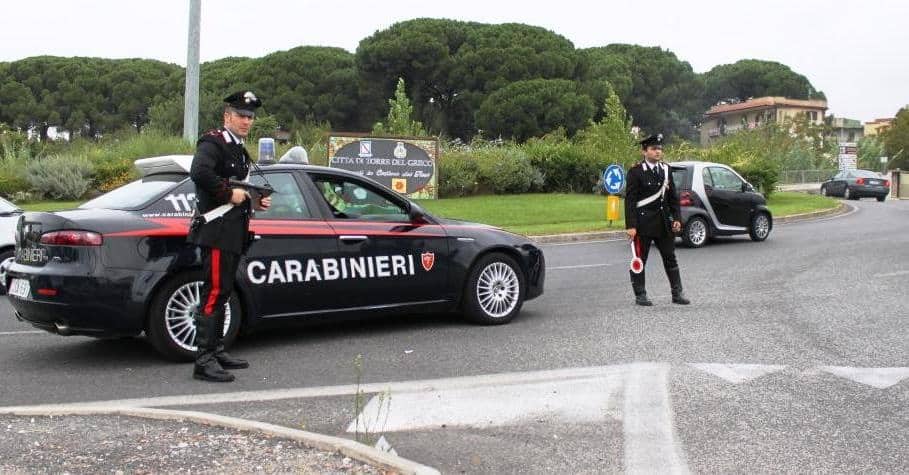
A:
(284, 266)
(726, 197)
(387, 258)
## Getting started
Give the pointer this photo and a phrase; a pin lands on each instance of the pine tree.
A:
(400, 113)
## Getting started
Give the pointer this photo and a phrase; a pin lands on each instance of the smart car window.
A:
(723, 179)
(707, 180)
(350, 199)
(286, 202)
(136, 194)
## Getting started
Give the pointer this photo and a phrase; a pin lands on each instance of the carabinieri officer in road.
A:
(652, 214)
(221, 228)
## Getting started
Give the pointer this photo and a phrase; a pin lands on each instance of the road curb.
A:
(841, 208)
(347, 447)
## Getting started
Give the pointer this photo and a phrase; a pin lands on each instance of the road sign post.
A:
(613, 183)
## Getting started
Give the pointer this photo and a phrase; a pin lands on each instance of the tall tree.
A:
(400, 116)
(755, 78)
(896, 140)
(525, 109)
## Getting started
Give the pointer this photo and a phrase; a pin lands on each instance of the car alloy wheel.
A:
(760, 227)
(179, 315)
(695, 232)
(847, 194)
(498, 289)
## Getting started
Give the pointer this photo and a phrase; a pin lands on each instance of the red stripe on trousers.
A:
(215, 281)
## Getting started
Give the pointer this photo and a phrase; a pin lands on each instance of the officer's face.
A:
(653, 153)
(238, 124)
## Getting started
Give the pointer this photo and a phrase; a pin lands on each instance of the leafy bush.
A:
(60, 177)
(458, 174)
(506, 170)
(565, 167)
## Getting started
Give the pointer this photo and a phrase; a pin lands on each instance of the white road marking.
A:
(892, 274)
(650, 443)
(24, 332)
(579, 266)
(881, 378)
(573, 401)
(577, 243)
(737, 373)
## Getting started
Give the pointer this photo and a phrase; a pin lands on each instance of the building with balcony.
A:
(876, 126)
(723, 119)
(846, 130)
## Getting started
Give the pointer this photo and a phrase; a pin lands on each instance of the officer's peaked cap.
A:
(244, 102)
(656, 139)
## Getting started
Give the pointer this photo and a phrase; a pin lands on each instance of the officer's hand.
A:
(632, 232)
(676, 227)
(264, 203)
(238, 196)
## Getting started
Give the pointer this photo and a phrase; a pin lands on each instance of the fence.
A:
(792, 177)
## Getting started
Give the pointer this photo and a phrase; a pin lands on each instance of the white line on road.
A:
(579, 266)
(650, 444)
(892, 274)
(25, 332)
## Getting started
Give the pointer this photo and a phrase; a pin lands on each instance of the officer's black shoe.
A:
(675, 283)
(229, 362)
(641, 299)
(679, 298)
(208, 369)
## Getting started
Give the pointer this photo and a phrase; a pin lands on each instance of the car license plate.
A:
(20, 288)
(874, 182)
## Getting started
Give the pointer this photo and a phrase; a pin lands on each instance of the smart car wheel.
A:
(6, 260)
(171, 329)
(695, 233)
(495, 290)
(760, 227)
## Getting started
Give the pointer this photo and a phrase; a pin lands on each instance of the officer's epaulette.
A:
(636, 165)
(215, 135)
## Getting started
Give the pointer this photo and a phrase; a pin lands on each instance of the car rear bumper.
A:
(870, 191)
(89, 306)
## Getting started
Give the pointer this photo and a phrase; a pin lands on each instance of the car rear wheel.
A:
(171, 329)
(849, 195)
(6, 260)
(695, 233)
(494, 292)
(879, 198)
(760, 227)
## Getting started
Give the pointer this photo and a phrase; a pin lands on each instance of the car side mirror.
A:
(747, 187)
(416, 213)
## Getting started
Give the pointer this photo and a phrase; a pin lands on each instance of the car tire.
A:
(824, 191)
(169, 329)
(6, 260)
(849, 195)
(760, 227)
(494, 292)
(879, 198)
(696, 232)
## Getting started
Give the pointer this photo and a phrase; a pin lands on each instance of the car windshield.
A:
(136, 194)
(865, 174)
(7, 207)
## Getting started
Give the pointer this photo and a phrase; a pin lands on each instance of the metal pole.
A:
(191, 97)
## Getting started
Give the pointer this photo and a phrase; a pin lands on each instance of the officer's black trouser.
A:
(666, 245)
(220, 269)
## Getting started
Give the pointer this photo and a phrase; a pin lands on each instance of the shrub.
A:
(564, 166)
(60, 177)
(458, 174)
(505, 170)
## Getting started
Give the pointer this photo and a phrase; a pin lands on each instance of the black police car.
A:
(717, 201)
(332, 244)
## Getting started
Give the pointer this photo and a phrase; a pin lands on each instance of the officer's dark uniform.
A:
(220, 156)
(653, 221)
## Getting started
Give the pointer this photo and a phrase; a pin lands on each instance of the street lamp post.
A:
(191, 97)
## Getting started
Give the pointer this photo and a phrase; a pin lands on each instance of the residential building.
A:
(876, 126)
(723, 119)
(846, 130)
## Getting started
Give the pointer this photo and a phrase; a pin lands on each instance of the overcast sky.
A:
(856, 52)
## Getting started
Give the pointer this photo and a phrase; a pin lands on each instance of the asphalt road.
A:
(794, 357)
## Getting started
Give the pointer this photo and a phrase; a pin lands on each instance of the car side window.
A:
(708, 181)
(351, 199)
(724, 179)
(286, 202)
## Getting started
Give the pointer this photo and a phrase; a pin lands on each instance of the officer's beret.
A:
(244, 102)
(652, 140)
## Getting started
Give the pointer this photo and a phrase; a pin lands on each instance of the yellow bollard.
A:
(612, 208)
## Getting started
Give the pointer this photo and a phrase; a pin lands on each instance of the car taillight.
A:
(685, 199)
(886, 182)
(860, 181)
(72, 238)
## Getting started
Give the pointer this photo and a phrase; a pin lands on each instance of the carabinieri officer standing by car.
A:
(221, 228)
(652, 214)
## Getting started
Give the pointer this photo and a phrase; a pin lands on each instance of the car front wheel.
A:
(170, 327)
(494, 291)
(824, 190)
(695, 233)
(760, 227)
